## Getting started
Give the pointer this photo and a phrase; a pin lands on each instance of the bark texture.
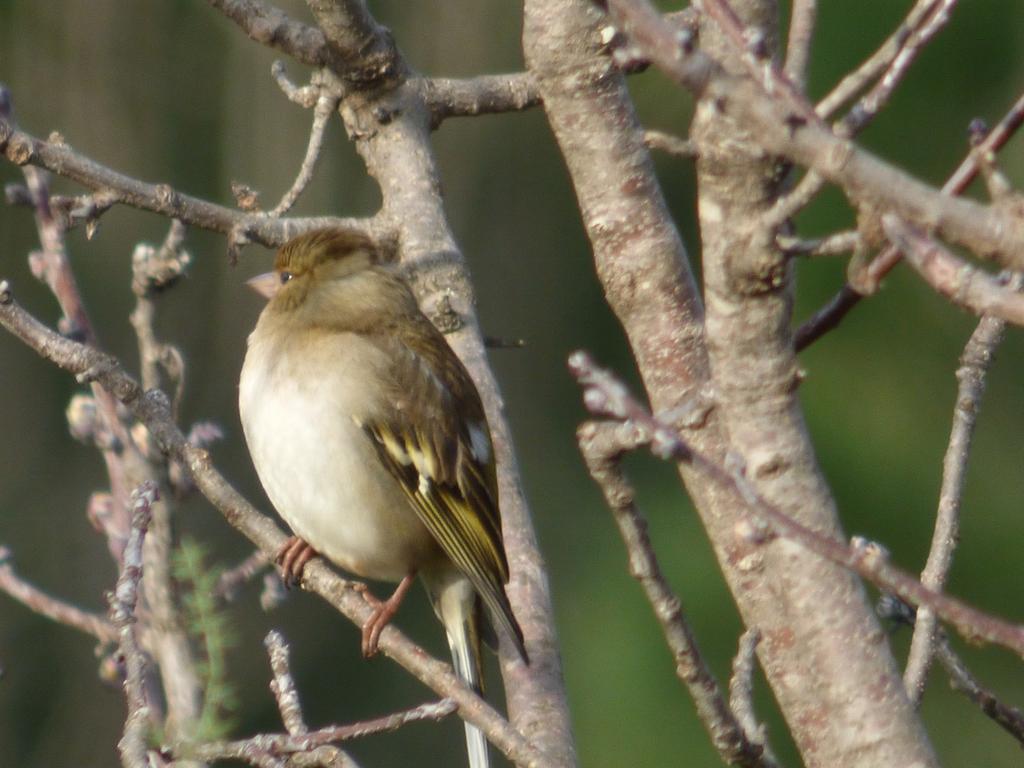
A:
(824, 653)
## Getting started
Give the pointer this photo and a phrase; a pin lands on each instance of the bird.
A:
(370, 440)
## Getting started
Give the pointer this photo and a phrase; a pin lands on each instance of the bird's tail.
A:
(456, 604)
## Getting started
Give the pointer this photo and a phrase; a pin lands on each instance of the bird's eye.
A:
(285, 277)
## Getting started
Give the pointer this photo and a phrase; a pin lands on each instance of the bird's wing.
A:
(434, 439)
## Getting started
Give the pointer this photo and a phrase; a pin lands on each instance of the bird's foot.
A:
(292, 557)
(383, 612)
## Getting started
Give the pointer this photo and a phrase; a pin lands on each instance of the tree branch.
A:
(829, 316)
(22, 148)
(963, 284)
(123, 601)
(604, 395)
(977, 356)
(482, 95)
(802, 19)
(51, 607)
(988, 231)
(272, 27)
(602, 446)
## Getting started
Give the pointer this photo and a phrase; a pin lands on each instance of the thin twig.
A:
(865, 109)
(123, 600)
(602, 446)
(974, 364)
(672, 145)
(22, 148)
(833, 245)
(605, 395)
(963, 284)
(275, 745)
(741, 690)
(283, 685)
(1010, 718)
(829, 316)
(869, 105)
(51, 607)
(877, 63)
(326, 104)
(801, 34)
(961, 679)
(750, 43)
(233, 579)
(990, 231)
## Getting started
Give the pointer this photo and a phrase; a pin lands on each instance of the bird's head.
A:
(317, 257)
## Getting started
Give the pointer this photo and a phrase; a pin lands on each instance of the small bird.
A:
(370, 440)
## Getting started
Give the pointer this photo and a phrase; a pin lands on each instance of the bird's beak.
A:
(266, 285)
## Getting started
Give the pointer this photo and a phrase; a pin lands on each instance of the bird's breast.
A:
(318, 467)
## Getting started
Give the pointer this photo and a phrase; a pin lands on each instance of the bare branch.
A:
(365, 51)
(832, 245)
(282, 745)
(801, 34)
(153, 409)
(22, 148)
(605, 395)
(1011, 719)
(878, 62)
(848, 297)
(272, 27)
(51, 607)
(602, 446)
(283, 685)
(989, 231)
(963, 284)
(233, 579)
(977, 356)
(482, 95)
(123, 600)
(870, 104)
(673, 145)
(757, 58)
(826, 318)
(741, 690)
(326, 104)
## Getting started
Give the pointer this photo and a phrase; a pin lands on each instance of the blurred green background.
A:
(172, 92)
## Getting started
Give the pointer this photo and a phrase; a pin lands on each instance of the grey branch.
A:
(272, 27)
(51, 607)
(672, 145)
(325, 106)
(607, 396)
(283, 685)
(962, 283)
(602, 446)
(153, 409)
(848, 297)
(741, 689)
(123, 600)
(1010, 718)
(482, 95)
(802, 19)
(867, 180)
(22, 148)
(283, 745)
(977, 356)
(878, 62)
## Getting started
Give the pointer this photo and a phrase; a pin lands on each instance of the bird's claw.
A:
(292, 557)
